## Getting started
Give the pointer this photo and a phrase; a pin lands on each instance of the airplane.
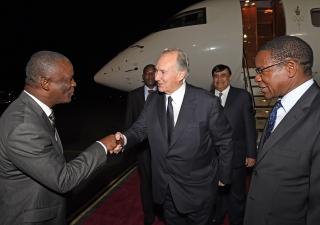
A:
(220, 32)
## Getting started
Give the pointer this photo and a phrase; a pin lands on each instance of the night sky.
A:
(89, 33)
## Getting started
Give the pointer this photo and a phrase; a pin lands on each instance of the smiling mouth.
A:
(261, 88)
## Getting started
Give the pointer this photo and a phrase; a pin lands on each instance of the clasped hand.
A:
(113, 143)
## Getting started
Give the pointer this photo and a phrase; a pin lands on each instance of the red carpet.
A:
(122, 206)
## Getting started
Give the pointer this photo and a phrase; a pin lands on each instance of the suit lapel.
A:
(161, 107)
(230, 99)
(186, 112)
(59, 141)
(39, 111)
(298, 111)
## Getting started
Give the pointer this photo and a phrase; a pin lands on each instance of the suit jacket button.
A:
(255, 173)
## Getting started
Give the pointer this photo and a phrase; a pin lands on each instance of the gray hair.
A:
(182, 60)
(42, 64)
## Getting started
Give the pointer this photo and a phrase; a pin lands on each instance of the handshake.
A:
(113, 142)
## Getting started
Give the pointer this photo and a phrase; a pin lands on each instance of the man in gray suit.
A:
(184, 125)
(285, 186)
(33, 170)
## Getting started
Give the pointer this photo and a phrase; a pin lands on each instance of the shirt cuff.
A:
(105, 148)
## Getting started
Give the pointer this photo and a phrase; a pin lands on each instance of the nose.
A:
(73, 83)
(257, 78)
(157, 76)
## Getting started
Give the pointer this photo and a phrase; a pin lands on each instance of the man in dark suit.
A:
(33, 171)
(135, 103)
(238, 109)
(285, 187)
(183, 139)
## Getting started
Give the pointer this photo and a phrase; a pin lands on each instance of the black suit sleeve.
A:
(250, 127)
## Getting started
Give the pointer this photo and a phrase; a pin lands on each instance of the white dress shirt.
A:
(177, 98)
(146, 91)
(290, 99)
(224, 95)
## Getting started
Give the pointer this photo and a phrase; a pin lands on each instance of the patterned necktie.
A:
(52, 120)
(170, 119)
(220, 94)
(272, 120)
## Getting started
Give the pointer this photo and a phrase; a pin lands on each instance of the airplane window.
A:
(189, 18)
(315, 17)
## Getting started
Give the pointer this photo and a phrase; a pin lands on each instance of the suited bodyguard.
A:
(33, 170)
(286, 179)
(135, 103)
(184, 125)
(237, 107)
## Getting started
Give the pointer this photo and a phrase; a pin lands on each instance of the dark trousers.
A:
(144, 169)
(232, 199)
(174, 217)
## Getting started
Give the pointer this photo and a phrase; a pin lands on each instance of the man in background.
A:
(237, 107)
(33, 170)
(135, 103)
(286, 180)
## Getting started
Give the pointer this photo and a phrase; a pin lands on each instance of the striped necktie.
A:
(220, 94)
(170, 119)
(52, 120)
(272, 120)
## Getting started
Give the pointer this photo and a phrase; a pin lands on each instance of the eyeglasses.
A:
(259, 71)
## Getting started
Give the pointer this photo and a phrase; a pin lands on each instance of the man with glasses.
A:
(135, 103)
(237, 107)
(286, 179)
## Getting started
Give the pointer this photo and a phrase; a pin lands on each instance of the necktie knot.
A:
(52, 120)
(150, 91)
(272, 120)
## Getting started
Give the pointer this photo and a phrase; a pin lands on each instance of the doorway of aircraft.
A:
(262, 21)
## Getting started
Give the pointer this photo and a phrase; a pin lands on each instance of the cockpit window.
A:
(189, 18)
(315, 17)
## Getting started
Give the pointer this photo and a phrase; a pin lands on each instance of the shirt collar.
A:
(146, 89)
(43, 106)
(224, 92)
(290, 99)
(178, 95)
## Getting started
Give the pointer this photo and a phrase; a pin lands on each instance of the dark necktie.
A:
(272, 120)
(150, 91)
(52, 120)
(220, 94)
(170, 119)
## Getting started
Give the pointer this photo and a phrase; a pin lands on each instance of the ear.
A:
(292, 68)
(182, 75)
(45, 84)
